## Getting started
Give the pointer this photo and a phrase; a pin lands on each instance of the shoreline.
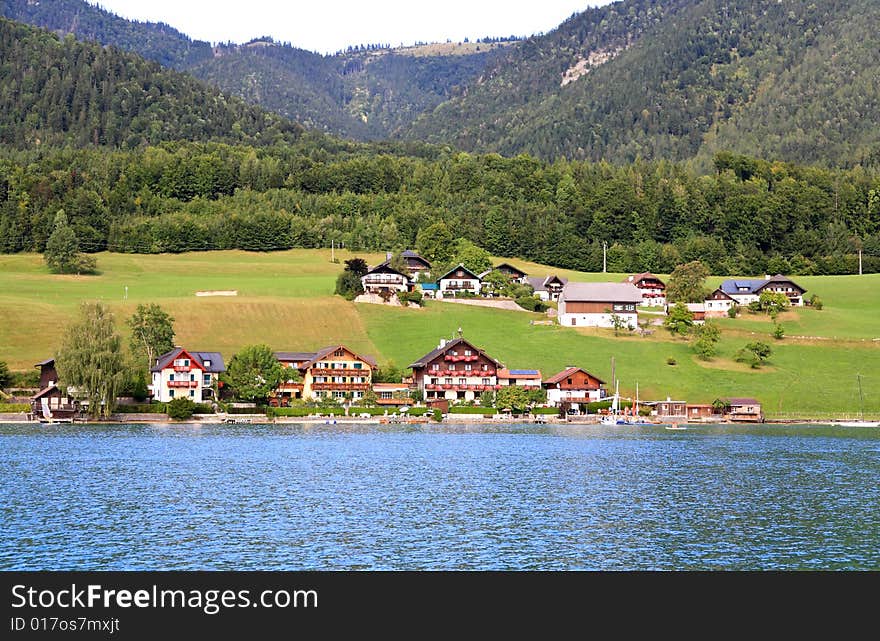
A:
(449, 419)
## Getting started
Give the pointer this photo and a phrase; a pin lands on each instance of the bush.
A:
(816, 302)
(671, 361)
(142, 408)
(733, 311)
(778, 332)
(28, 379)
(5, 375)
(437, 415)
(414, 296)
(180, 409)
(531, 303)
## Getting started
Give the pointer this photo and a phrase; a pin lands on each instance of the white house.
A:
(459, 279)
(384, 278)
(182, 373)
(546, 287)
(718, 303)
(575, 386)
(593, 304)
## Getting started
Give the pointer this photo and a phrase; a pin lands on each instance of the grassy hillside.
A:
(285, 300)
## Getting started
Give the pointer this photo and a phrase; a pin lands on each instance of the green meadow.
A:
(285, 300)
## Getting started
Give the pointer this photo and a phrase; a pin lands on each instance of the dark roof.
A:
(733, 285)
(45, 392)
(635, 278)
(48, 361)
(215, 358)
(539, 284)
(408, 253)
(779, 278)
(456, 268)
(717, 290)
(511, 268)
(294, 356)
(384, 268)
(430, 356)
(602, 292)
(568, 371)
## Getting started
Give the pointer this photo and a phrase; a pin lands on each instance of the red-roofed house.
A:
(653, 289)
(575, 386)
(455, 370)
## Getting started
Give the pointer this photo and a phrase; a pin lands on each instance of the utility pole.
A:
(860, 262)
(604, 257)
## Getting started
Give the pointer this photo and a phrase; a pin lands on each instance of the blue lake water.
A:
(432, 497)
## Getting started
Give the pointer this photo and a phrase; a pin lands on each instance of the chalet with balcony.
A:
(182, 373)
(747, 290)
(653, 289)
(530, 378)
(51, 402)
(573, 388)
(513, 273)
(547, 287)
(593, 304)
(385, 281)
(334, 372)
(455, 370)
(457, 280)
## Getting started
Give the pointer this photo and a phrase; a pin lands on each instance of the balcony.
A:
(379, 280)
(182, 368)
(341, 387)
(183, 383)
(447, 387)
(321, 371)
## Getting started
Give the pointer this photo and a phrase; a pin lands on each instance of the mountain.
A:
(677, 79)
(363, 93)
(57, 92)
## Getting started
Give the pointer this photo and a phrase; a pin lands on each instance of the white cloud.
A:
(335, 24)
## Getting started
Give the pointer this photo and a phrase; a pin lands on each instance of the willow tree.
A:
(90, 359)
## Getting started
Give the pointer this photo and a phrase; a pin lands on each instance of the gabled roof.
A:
(408, 253)
(199, 358)
(733, 285)
(636, 278)
(326, 351)
(434, 353)
(568, 371)
(386, 268)
(511, 268)
(539, 284)
(455, 269)
(527, 374)
(45, 391)
(779, 278)
(719, 291)
(601, 292)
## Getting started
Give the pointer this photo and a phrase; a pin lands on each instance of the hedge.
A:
(159, 408)
(339, 411)
(14, 407)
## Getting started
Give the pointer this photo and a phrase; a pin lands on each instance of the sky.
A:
(330, 25)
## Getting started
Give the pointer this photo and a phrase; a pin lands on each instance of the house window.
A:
(467, 352)
(171, 393)
(358, 366)
(320, 379)
(468, 367)
(573, 321)
(462, 381)
(568, 382)
(448, 381)
(434, 381)
(207, 363)
(485, 381)
(192, 392)
(192, 377)
(338, 394)
(206, 380)
(435, 366)
(171, 377)
(339, 352)
(485, 367)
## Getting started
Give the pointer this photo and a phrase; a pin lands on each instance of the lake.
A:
(290, 497)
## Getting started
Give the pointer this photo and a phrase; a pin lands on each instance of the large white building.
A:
(594, 304)
(184, 374)
(457, 280)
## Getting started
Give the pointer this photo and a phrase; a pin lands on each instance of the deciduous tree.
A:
(254, 373)
(687, 283)
(152, 333)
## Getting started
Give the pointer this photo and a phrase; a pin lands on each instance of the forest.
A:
(748, 217)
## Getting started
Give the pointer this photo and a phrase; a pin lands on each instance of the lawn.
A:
(285, 300)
